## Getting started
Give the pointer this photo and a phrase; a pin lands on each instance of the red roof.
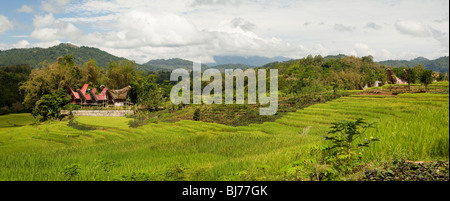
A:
(84, 95)
(75, 94)
(102, 95)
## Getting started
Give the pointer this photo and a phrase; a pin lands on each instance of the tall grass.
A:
(414, 126)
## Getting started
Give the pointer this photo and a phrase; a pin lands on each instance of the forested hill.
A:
(34, 56)
(248, 61)
(172, 64)
(440, 64)
(167, 65)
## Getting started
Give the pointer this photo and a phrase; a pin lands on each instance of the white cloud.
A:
(45, 34)
(412, 28)
(25, 9)
(54, 6)
(26, 44)
(146, 29)
(243, 24)
(21, 44)
(167, 34)
(418, 29)
(216, 2)
(5, 24)
(47, 28)
(43, 21)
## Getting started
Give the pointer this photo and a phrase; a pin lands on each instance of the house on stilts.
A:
(104, 97)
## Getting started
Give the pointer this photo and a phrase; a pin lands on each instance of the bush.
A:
(70, 172)
(403, 170)
(196, 116)
(345, 150)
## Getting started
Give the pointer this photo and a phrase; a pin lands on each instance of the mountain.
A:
(34, 56)
(339, 56)
(171, 64)
(167, 65)
(440, 64)
(250, 61)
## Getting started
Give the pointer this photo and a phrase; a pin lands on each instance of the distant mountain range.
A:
(251, 61)
(440, 64)
(34, 56)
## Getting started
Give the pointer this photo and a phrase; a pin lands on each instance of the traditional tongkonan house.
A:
(85, 96)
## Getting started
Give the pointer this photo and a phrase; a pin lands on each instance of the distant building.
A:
(86, 96)
(392, 79)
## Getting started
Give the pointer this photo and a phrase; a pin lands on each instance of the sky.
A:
(196, 30)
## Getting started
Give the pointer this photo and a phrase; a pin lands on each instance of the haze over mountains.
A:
(34, 56)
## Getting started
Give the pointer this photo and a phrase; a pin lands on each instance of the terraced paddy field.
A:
(410, 126)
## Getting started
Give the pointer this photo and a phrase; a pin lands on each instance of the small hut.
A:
(119, 97)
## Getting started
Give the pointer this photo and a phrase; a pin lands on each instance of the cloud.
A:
(43, 21)
(5, 24)
(361, 49)
(216, 2)
(20, 36)
(343, 28)
(411, 28)
(441, 37)
(417, 29)
(25, 9)
(373, 25)
(165, 35)
(59, 32)
(26, 44)
(45, 34)
(47, 28)
(54, 6)
(21, 44)
(244, 25)
(148, 29)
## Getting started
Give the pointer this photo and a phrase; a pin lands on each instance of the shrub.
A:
(345, 150)
(403, 170)
(196, 116)
(70, 172)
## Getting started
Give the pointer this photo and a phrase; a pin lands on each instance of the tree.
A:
(410, 76)
(50, 105)
(419, 69)
(91, 74)
(426, 78)
(120, 74)
(10, 79)
(166, 87)
(368, 59)
(145, 92)
(50, 78)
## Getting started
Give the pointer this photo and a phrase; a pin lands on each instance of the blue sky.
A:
(199, 29)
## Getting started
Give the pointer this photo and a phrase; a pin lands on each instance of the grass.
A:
(412, 126)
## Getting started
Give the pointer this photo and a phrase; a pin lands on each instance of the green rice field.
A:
(411, 126)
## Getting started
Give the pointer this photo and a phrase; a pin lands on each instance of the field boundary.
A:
(99, 113)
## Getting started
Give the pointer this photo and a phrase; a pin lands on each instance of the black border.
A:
(276, 190)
